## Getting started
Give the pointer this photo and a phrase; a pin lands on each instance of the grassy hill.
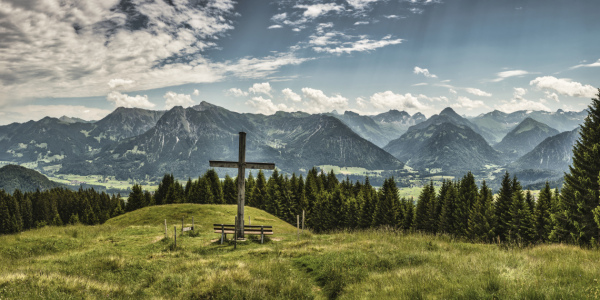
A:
(14, 177)
(128, 257)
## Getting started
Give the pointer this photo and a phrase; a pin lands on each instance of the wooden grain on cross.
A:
(241, 165)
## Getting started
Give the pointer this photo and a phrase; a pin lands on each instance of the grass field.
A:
(128, 257)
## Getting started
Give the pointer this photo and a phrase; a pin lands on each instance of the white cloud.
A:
(73, 48)
(420, 84)
(275, 26)
(389, 100)
(507, 74)
(416, 10)
(119, 83)
(236, 92)
(392, 17)
(432, 99)
(279, 17)
(477, 92)
(515, 105)
(251, 67)
(425, 72)
(360, 4)
(290, 95)
(264, 88)
(361, 23)
(123, 100)
(173, 99)
(592, 65)
(265, 106)
(196, 93)
(361, 45)
(35, 112)
(469, 104)
(320, 103)
(453, 91)
(564, 86)
(520, 103)
(315, 10)
(552, 96)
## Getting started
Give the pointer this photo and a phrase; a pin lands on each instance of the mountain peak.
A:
(448, 111)
(205, 106)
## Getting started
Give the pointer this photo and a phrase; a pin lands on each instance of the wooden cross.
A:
(241, 165)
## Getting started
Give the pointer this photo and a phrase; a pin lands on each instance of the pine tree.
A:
(521, 222)
(425, 206)
(163, 188)
(447, 222)
(543, 217)
(385, 211)
(574, 221)
(467, 196)
(530, 201)
(216, 189)
(229, 190)
(259, 193)
(481, 224)
(272, 202)
(502, 207)
(136, 198)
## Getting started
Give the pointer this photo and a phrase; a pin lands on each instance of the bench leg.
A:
(223, 236)
(262, 238)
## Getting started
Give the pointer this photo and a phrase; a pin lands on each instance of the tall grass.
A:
(135, 260)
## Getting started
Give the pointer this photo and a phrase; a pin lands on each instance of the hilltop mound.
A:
(205, 215)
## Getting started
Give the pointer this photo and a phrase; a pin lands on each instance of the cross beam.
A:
(241, 165)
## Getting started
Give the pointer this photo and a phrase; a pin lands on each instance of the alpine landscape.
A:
(305, 149)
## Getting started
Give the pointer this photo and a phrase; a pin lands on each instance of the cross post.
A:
(241, 165)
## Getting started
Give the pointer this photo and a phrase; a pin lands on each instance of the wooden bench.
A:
(261, 230)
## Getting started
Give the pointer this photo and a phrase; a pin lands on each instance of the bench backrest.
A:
(231, 227)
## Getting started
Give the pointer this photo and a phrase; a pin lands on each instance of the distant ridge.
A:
(524, 138)
(14, 177)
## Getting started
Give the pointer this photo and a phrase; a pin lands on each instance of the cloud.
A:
(316, 10)
(119, 83)
(361, 45)
(251, 67)
(518, 102)
(73, 48)
(564, 86)
(123, 100)
(389, 100)
(477, 92)
(265, 106)
(507, 74)
(196, 93)
(236, 92)
(361, 23)
(592, 65)
(360, 4)
(420, 84)
(279, 17)
(290, 95)
(552, 96)
(425, 72)
(469, 104)
(392, 17)
(320, 103)
(416, 10)
(35, 112)
(275, 26)
(452, 91)
(173, 99)
(264, 88)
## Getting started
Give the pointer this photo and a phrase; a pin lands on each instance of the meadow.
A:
(130, 257)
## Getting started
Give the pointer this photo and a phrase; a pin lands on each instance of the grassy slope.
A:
(128, 257)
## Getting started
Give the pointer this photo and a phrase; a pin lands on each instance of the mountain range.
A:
(141, 144)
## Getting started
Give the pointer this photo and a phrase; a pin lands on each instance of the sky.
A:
(85, 58)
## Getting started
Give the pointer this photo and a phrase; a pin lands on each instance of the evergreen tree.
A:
(521, 222)
(447, 222)
(259, 193)
(467, 196)
(272, 202)
(502, 207)
(481, 218)
(425, 206)
(385, 211)
(574, 221)
(543, 214)
(163, 188)
(216, 189)
(136, 198)
(229, 190)
(530, 201)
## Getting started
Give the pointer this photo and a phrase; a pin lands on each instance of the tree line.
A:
(57, 206)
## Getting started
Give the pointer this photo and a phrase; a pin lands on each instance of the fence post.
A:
(298, 227)
(181, 225)
(249, 222)
(235, 234)
(175, 235)
(303, 221)
(193, 224)
(166, 235)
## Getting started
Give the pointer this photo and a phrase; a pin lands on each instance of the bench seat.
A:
(261, 230)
